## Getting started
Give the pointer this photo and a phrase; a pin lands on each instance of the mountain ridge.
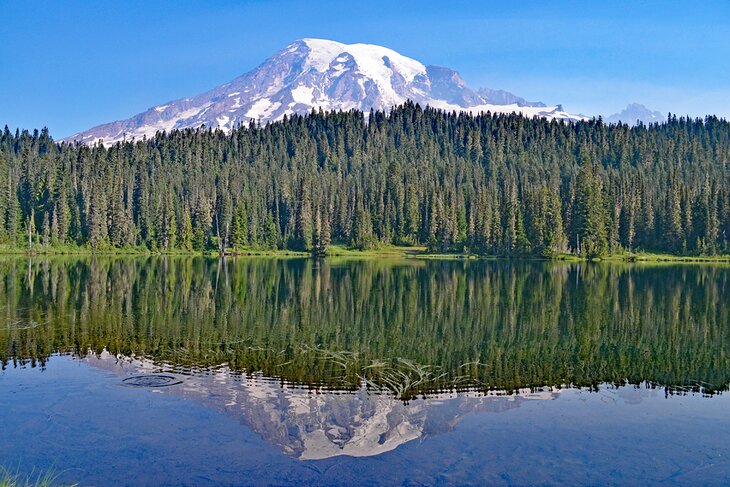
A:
(636, 112)
(317, 73)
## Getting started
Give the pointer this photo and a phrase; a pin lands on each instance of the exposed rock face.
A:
(502, 97)
(634, 113)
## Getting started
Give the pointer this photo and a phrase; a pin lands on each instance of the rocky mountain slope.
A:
(634, 113)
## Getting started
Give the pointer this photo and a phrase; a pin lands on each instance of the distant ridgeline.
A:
(491, 184)
(408, 328)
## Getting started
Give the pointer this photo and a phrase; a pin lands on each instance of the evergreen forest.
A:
(487, 184)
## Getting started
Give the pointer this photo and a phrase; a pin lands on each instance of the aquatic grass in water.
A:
(34, 479)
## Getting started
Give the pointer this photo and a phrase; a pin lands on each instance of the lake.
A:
(258, 371)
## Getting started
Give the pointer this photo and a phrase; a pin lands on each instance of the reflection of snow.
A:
(311, 424)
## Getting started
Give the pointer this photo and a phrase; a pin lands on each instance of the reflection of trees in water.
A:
(408, 327)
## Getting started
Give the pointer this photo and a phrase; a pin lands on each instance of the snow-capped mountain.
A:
(314, 73)
(636, 112)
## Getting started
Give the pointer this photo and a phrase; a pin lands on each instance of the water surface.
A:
(364, 371)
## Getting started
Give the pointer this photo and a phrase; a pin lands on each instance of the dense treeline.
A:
(494, 184)
(423, 326)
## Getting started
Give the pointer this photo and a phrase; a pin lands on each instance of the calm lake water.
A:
(148, 371)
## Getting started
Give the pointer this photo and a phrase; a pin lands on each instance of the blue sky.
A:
(72, 65)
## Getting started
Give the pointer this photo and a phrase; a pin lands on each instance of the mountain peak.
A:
(319, 73)
(636, 112)
(369, 57)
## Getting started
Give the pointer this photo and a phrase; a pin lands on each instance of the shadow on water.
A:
(407, 328)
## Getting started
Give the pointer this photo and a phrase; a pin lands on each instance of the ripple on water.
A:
(151, 380)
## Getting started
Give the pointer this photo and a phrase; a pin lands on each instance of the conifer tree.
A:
(497, 184)
(589, 213)
(303, 229)
(186, 231)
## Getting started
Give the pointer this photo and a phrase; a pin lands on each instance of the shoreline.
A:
(389, 252)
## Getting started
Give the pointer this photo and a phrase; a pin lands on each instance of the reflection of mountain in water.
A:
(310, 424)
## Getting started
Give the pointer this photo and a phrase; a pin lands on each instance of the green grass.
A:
(34, 479)
(566, 256)
(653, 257)
(71, 249)
(398, 251)
(343, 251)
(646, 257)
(381, 251)
(423, 253)
(454, 256)
(263, 253)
